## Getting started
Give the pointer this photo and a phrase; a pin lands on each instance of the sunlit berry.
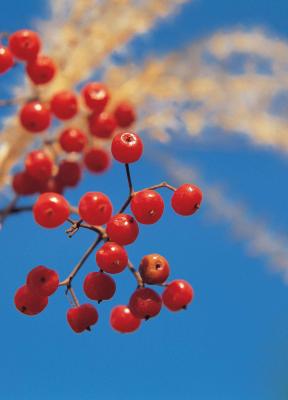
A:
(35, 117)
(102, 125)
(41, 70)
(64, 105)
(99, 286)
(177, 295)
(24, 44)
(95, 208)
(42, 281)
(122, 229)
(82, 317)
(69, 173)
(29, 303)
(97, 160)
(24, 185)
(127, 147)
(112, 258)
(96, 96)
(186, 199)
(147, 206)
(145, 303)
(72, 140)
(124, 114)
(122, 320)
(39, 165)
(51, 210)
(6, 59)
(154, 269)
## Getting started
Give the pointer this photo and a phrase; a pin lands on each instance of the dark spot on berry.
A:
(43, 279)
(131, 220)
(147, 317)
(158, 265)
(23, 308)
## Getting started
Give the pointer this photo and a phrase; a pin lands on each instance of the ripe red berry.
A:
(124, 114)
(24, 185)
(51, 210)
(177, 295)
(122, 229)
(145, 303)
(39, 165)
(25, 44)
(41, 70)
(42, 281)
(6, 59)
(53, 184)
(96, 160)
(28, 302)
(95, 208)
(147, 206)
(112, 258)
(64, 105)
(102, 125)
(72, 139)
(69, 173)
(96, 96)
(127, 147)
(99, 286)
(82, 317)
(122, 320)
(35, 117)
(186, 199)
(154, 269)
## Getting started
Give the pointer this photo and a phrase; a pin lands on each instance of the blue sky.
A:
(232, 343)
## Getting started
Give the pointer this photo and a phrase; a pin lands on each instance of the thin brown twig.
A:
(136, 274)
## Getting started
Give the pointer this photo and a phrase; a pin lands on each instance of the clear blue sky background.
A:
(232, 343)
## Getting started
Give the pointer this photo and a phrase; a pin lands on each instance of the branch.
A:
(131, 190)
(136, 274)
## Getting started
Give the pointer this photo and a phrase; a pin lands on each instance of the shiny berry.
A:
(99, 286)
(102, 125)
(95, 208)
(122, 229)
(147, 206)
(39, 165)
(96, 96)
(28, 302)
(112, 258)
(154, 269)
(186, 199)
(72, 140)
(35, 117)
(51, 210)
(145, 303)
(64, 105)
(124, 114)
(69, 173)
(82, 317)
(25, 44)
(6, 59)
(122, 320)
(24, 185)
(127, 147)
(42, 281)
(41, 70)
(96, 160)
(177, 295)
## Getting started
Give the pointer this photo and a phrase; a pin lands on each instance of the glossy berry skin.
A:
(72, 140)
(122, 229)
(39, 165)
(69, 173)
(64, 105)
(96, 160)
(127, 147)
(23, 184)
(35, 117)
(102, 125)
(154, 269)
(82, 317)
(6, 59)
(51, 210)
(145, 303)
(124, 114)
(147, 206)
(122, 320)
(186, 199)
(95, 208)
(96, 96)
(42, 281)
(41, 70)
(99, 286)
(112, 258)
(28, 302)
(177, 295)
(25, 44)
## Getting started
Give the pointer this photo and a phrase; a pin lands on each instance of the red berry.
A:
(154, 269)
(41, 70)
(51, 185)
(177, 295)
(72, 139)
(35, 117)
(186, 199)
(28, 302)
(95, 208)
(82, 317)
(25, 44)
(127, 147)
(6, 59)
(69, 173)
(124, 114)
(102, 125)
(147, 206)
(42, 281)
(64, 105)
(39, 165)
(112, 258)
(51, 210)
(122, 320)
(122, 229)
(96, 96)
(145, 303)
(24, 185)
(96, 160)
(99, 286)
